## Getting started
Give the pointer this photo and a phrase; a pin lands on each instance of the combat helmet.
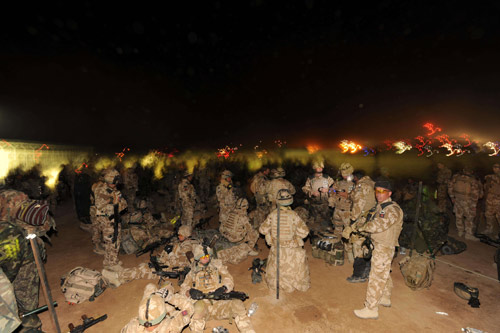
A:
(318, 164)
(226, 174)
(185, 231)
(152, 310)
(278, 173)
(284, 197)
(111, 176)
(202, 250)
(346, 169)
(242, 203)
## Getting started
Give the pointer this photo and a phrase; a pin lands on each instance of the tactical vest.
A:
(494, 189)
(341, 202)
(318, 183)
(232, 229)
(207, 279)
(286, 229)
(390, 236)
(462, 187)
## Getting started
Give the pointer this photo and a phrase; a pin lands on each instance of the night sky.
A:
(205, 74)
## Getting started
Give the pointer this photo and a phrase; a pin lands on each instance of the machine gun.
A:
(257, 269)
(151, 247)
(495, 243)
(87, 322)
(175, 273)
(198, 295)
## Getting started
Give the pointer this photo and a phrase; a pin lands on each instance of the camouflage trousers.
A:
(492, 213)
(103, 226)
(234, 255)
(294, 269)
(465, 212)
(26, 288)
(187, 213)
(340, 219)
(9, 319)
(442, 197)
(379, 281)
(261, 213)
(135, 273)
(224, 214)
(320, 214)
(130, 194)
(205, 310)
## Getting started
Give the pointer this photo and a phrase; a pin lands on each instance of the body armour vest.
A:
(207, 279)
(318, 183)
(232, 229)
(462, 186)
(286, 231)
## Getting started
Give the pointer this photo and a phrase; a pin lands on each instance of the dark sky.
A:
(195, 74)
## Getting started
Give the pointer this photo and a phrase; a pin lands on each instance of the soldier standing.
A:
(187, 194)
(130, 186)
(384, 229)
(278, 182)
(492, 191)
(258, 187)
(161, 310)
(225, 195)
(465, 191)
(106, 197)
(293, 265)
(443, 178)
(211, 275)
(316, 188)
(341, 200)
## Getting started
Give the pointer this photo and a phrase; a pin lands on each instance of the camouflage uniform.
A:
(208, 278)
(492, 190)
(384, 229)
(465, 191)
(130, 186)
(274, 186)
(258, 187)
(176, 309)
(226, 198)
(106, 197)
(237, 229)
(18, 264)
(342, 205)
(9, 319)
(294, 267)
(443, 178)
(187, 195)
(319, 210)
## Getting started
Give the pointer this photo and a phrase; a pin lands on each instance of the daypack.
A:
(418, 271)
(82, 284)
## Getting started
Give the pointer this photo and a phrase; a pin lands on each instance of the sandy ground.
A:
(326, 307)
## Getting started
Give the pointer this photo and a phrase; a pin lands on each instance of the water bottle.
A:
(251, 310)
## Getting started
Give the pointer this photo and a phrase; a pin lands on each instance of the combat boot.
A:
(385, 301)
(366, 313)
(356, 279)
(471, 237)
(99, 250)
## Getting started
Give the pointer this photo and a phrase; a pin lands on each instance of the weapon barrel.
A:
(278, 255)
(35, 311)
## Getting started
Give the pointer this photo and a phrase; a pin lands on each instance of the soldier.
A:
(237, 230)
(9, 318)
(225, 195)
(258, 187)
(443, 178)
(384, 229)
(465, 190)
(341, 200)
(278, 182)
(363, 199)
(316, 188)
(293, 264)
(130, 186)
(161, 310)
(492, 190)
(187, 194)
(106, 197)
(210, 275)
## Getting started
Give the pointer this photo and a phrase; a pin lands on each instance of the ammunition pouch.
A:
(334, 256)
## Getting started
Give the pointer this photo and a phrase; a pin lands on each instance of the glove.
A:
(347, 232)
(219, 291)
(195, 294)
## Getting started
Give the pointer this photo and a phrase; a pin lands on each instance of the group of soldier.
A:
(362, 210)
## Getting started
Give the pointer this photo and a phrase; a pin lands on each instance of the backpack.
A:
(418, 271)
(82, 284)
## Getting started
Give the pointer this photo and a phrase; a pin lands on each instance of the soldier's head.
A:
(188, 175)
(278, 173)
(496, 168)
(467, 170)
(346, 170)
(358, 174)
(265, 170)
(440, 165)
(202, 254)
(284, 197)
(111, 176)
(184, 232)
(318, 167)
(152, 311)
(383, 190)
(226, 177)
(242, 204)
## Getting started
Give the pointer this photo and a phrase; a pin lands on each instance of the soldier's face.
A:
(181, 238)
(382, 194)
(318, 170)
(496, 169)
(205, 260)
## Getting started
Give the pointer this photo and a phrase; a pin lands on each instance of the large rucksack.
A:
(82, 284)
(418, 271)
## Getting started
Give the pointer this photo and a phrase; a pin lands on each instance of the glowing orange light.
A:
(79, 169)
(311, 149)
(466, 138)
(494, 146)
(38, 152)
(401, 147)
(432, 129)
(121, 154)
(226, 152)
(349, 146)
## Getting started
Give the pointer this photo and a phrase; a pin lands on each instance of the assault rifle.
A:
(175, 273)
(198, 295)
(151, 247)
(495, 243)
(87, 322)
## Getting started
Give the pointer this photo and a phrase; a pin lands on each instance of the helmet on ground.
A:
(111, 176)
(185, 231)
(284, 197)
(346, 169)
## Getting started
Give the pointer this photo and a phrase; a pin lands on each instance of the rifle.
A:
(38, 310)
(175, 273)
(487, 240)
(151, 247)
(87, 322)
(198, 295)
